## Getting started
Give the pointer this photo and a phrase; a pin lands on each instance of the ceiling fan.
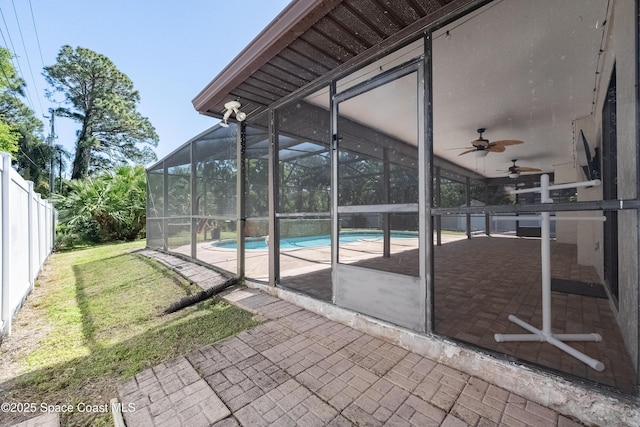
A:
(515, 170)
(482, 146)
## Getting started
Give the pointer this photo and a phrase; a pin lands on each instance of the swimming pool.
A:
(309, 241)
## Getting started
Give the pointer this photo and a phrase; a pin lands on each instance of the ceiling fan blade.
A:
(495, 148)
(456, 148)
(505, 142)
(468, 151)
(527, 169)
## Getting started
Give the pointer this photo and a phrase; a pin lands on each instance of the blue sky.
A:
(170, 50)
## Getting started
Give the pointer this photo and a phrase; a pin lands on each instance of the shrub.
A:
(108, 207)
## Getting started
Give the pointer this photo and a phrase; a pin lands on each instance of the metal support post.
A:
(386, 217)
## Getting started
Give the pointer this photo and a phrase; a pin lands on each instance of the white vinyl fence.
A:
(26, 236)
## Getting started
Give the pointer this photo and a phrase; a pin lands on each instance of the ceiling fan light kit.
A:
(480, 142)
(482, 146)
(515, 170)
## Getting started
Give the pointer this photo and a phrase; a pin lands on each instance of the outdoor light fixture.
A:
(232, 107)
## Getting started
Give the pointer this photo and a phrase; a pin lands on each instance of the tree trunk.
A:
(81, 160)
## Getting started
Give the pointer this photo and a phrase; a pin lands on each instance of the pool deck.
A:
(296, 261)
(473, 307)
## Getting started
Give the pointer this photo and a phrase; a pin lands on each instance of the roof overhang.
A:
(310, 39)
(293, 21)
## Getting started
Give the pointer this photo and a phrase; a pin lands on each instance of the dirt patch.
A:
(29, 329)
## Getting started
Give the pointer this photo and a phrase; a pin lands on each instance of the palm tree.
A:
(115, 201)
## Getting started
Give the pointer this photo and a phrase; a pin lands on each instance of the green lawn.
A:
(102, 310)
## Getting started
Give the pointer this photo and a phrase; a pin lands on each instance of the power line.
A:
(35, 30)
(4, 73)
(26, 54)
(16, 66)
(13, 49)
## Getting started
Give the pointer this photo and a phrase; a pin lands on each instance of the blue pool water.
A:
(309, 241)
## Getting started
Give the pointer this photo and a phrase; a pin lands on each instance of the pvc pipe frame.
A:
(551, 218)
(554, 339)
(592, 183)
(546, 335)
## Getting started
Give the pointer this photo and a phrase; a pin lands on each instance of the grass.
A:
(102, 310)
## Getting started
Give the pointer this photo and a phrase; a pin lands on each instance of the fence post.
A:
(44, 227)
(46, 230)
(42, 231)
(54, 221)
(6, 228)
(32, 235)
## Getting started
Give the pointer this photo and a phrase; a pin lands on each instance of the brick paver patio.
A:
(46, 420)
(300, 368)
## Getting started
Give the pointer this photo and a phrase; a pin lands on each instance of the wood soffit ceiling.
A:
(307, 40)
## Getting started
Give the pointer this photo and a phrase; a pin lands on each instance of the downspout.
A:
(240, 197)
(274, 181)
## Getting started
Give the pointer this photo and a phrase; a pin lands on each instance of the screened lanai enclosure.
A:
(443, 168)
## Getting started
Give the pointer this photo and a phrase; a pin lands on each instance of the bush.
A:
(109, 207)
(85, 232)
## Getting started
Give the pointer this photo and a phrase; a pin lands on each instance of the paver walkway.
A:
(46, 420)
(299, 368)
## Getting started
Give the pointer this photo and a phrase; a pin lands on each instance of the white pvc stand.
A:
(546, 335)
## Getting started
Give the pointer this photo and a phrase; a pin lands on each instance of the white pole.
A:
(539, 337)
(6, 228)
(593, 183)
(519, 337)
(552, 218)
(33, 234)
(545, 252)
(595, 364)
